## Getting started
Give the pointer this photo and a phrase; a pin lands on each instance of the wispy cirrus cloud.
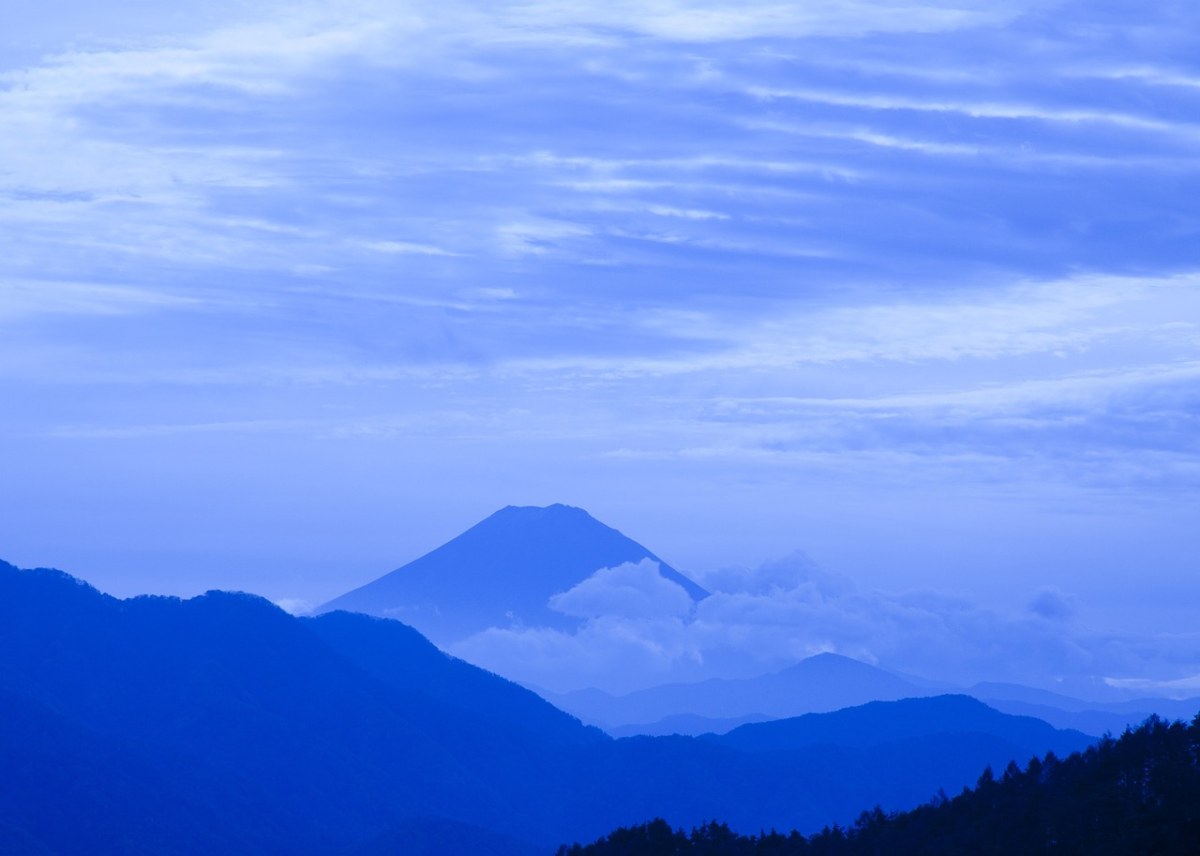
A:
(21, 300)
(983, 110)
(869, 243)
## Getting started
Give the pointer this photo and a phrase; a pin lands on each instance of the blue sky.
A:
(291, 293)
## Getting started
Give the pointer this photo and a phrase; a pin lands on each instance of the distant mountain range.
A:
(222, 724)
(1090, 717)
(881, 723)
(828, 682)
(817, 684)
(502, 572)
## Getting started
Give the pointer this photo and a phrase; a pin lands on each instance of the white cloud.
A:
(1015, 153)
(1055, 318)
(686, 213)
(21, 300)
(1149, 74)
(796, 571)
(1179, 688)
(982, 109)
(405, 248)
(539, 237)
(787, 610)
(696, 287)
(626, 591)
(294, 605)
(1081, 392)
(621, 654)
(713, 21)
(1027, 319)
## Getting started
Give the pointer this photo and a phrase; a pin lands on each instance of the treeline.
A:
(1136, 794)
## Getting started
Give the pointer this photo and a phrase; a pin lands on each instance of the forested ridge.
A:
(1135, 794)
(221, 724)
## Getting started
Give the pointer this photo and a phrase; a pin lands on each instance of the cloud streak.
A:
(21, 300)
(918, 250)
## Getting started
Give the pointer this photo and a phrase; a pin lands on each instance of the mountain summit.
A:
(503, 571)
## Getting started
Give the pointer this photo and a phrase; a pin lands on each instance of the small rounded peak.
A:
(240, 601)
(560, 508)
(49, 576)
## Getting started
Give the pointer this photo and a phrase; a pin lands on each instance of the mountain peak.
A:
(554, 508)
(525, 515)
(502, 572)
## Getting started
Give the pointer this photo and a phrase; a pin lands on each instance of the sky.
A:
(291, 293)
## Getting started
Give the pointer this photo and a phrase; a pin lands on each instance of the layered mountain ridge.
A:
(817, 684)
(223, 724)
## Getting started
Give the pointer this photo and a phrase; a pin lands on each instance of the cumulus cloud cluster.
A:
(640, 629)
(632, 590)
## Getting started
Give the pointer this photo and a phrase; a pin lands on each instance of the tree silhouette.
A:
(1138, 793)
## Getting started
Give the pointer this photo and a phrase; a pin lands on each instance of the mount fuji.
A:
(503, 572)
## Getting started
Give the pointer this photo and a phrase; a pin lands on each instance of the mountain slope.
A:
(260, 732)
(437, 837)
(67, 790)
(400, 657)
(911, 748)
(502, 571)
(232, 684)
(1139, 794)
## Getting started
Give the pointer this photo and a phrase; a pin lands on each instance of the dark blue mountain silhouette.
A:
(876, 723)
(829, 682)
(439, 837)
(500, 572)
(1139, 793)
(222, 724)
(913, 747)
(1089, 716)
(65, 789)
(684, 724)
(399, 656)
(229, 687)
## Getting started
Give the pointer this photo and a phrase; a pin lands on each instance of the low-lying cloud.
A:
(632, 590)
(639, 629)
